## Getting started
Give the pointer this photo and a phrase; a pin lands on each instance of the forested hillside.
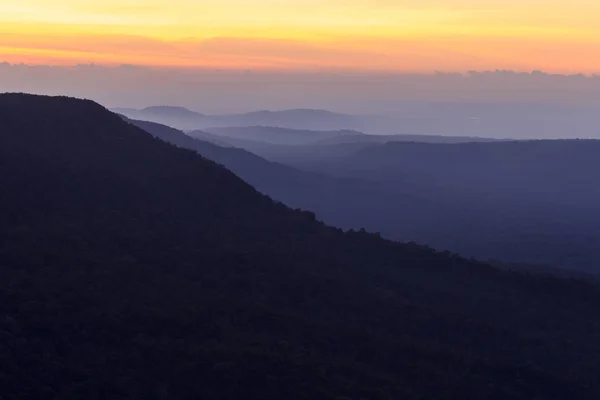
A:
(130, 268)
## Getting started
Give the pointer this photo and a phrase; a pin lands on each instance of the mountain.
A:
(301, 147)
(182, 118)
(524, 201)
(287, 136)
(406, 204)
(343, 202)
(170, 112)
(164, 114)
(209, 137)
(358, 138)
(130, 268)
(126, 110)
(298, 119)
(281, 136)
(562, 171)
(303, 119)
(449, 119)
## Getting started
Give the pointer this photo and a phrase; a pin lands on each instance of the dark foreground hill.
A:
(133, 269)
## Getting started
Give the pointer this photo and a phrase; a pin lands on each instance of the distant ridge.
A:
(170, 111)
(304, 112)
(277, 135)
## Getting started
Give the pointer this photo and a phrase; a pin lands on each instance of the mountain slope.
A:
(281, 136)
(130, 268)
(346, 203)
(459, 119)
(296, 119)
(565, 170)
(402, 208)
(170, 112)
(170, 115)
(301, 119)
(525, 201)
(302, 147)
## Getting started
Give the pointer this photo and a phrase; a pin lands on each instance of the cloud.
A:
(352, 53)
(219, 90)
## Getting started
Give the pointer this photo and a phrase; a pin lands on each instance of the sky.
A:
(357, 92)
(305, 35)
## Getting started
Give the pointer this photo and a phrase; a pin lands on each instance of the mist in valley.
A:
(474, 189)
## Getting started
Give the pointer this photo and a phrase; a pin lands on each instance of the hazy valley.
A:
(531, 202)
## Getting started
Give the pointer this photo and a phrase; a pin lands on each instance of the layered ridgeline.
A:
(526, 202)
(130, 268)
(342, 202)
(454, 118)
(311, 119)
(521, 201)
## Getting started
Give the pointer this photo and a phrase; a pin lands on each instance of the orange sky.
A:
(409, 35)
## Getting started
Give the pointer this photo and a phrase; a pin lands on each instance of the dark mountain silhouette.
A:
(130, 268)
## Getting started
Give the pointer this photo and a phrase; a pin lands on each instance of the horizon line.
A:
(357, 71)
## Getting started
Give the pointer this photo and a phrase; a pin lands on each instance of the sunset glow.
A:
(429, 35)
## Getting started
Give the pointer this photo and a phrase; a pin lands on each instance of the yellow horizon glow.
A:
(393, 35)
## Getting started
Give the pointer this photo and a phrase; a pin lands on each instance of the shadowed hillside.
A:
(130, 268)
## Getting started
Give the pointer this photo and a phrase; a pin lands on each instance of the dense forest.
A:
(130, 268)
